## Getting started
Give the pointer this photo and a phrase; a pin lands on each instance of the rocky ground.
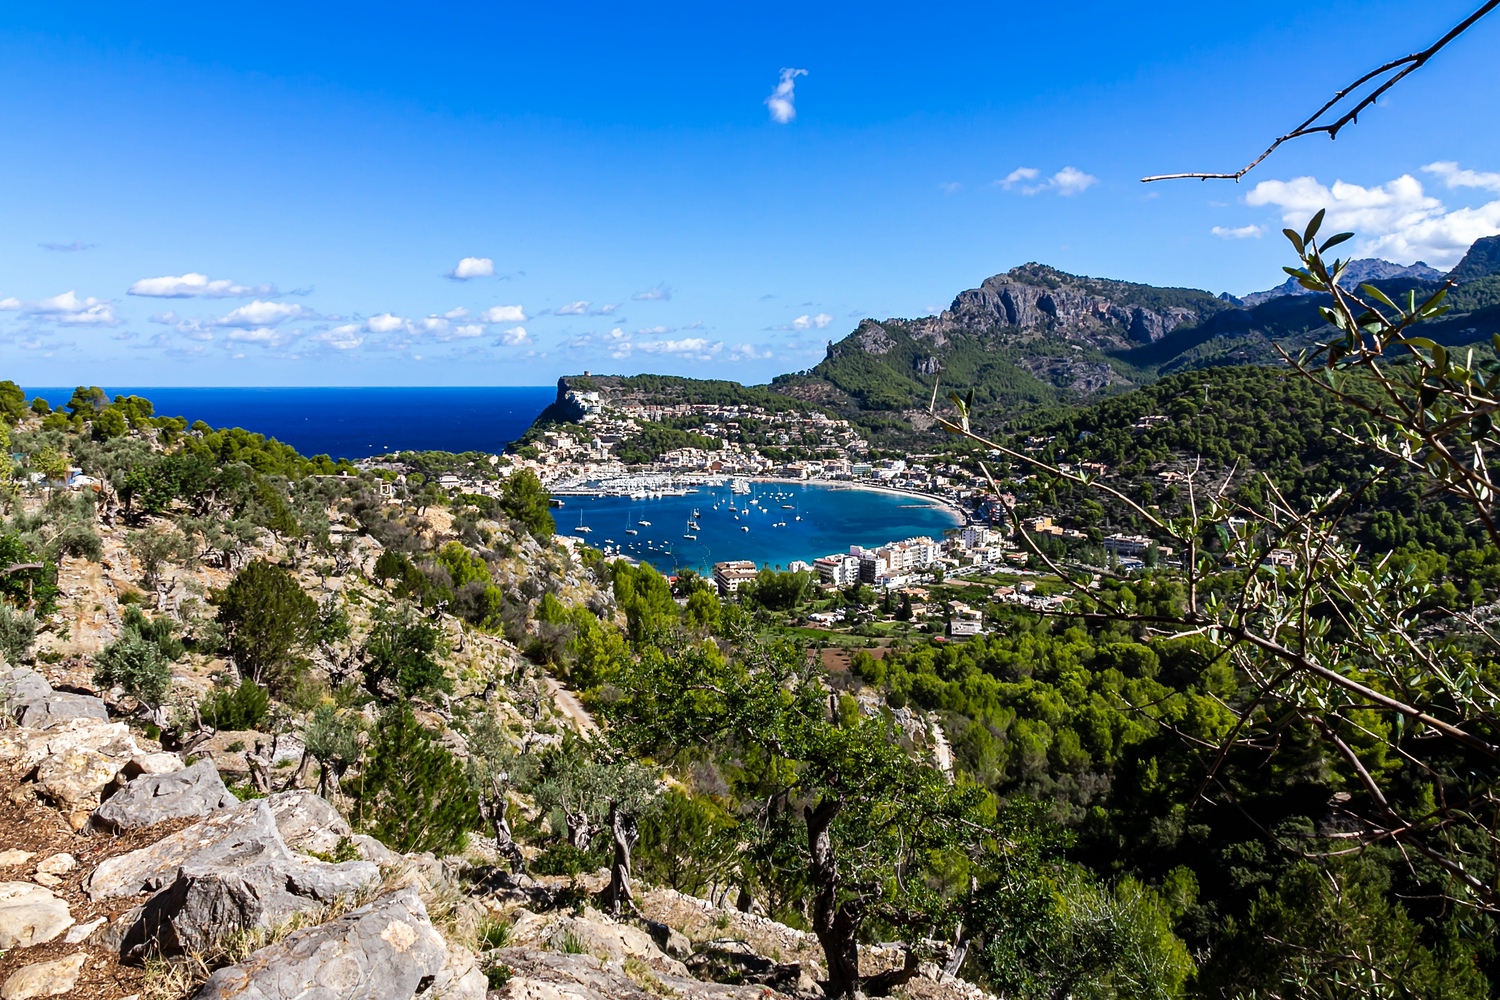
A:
(126, 873)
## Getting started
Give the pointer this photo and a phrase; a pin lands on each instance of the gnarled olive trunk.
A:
(836, 924)
(625, 832)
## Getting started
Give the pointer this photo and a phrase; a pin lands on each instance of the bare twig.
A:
(1405, 65)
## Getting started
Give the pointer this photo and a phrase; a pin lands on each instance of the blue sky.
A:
(373, 194)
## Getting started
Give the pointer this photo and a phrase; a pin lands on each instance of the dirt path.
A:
(567, 703)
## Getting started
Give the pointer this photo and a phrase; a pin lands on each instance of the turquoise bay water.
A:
(832, 520)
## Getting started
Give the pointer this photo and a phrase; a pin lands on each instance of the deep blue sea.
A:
(832, 520)
(354, 423)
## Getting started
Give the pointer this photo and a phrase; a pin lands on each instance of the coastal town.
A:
(592, 450)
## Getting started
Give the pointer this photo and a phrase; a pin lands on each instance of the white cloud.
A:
(607, 309)
(341, 338)
(504, 314)
(192, 285)
(264, 336)
(659, 293)
(783, 100)
(1453, 177)
(1251, 232)
(457, 313)
(579, 308)
(653, 331)
(950, 187)
(1018, 175)
(1396, 221)
(473, 267)
(805, 322)
(1071, 181)
(385, 323)
(259, 314)
(514, 337)
(1067, 182)
(748, 352)
(468, 330)
(696, 347)
(9, 304)
(69, 310)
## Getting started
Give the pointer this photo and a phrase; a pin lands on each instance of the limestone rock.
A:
(460, 978)
(74, 781)
(153, 798)
(27, 748)
(30, 914)
(596, 934)
(307, 822)
(59, 707)
(202, 907)
(58, 864)
(79, 933)
(551, 975)
(245, 834)
(20, 685)
(13, 857)
(43, 979)
(153, 763)
(384, 950)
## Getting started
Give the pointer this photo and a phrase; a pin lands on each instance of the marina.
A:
(675, 525)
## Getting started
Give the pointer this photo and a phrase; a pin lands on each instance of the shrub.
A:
(17, 632)
(244, 707)
(137, 665)
(268, 618)
(399, 656)
(412, 794)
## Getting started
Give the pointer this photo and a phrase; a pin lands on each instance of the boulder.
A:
(242, 835)
(59, 707)
(153, 763)
(44, 979)
(29, 915)
(308, 823)
(551, 975)
(27, 748)
(19, 685)
(385, 950)
(14, 856)
(596, 934)
(74, 781)
(460, 978)
(153, 798)
(202, 907)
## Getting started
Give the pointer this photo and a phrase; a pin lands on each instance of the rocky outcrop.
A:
(1085, 310)
(385, 950)
(595, 934)
(154, 798)
(30, 915)
(203, 906)
(551, 975)
(33, 703)
(234, 838)
(1481, 261)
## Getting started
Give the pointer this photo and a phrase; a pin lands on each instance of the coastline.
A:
(839, 484)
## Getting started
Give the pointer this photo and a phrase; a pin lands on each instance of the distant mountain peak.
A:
(1482, 260)
(1358, 271)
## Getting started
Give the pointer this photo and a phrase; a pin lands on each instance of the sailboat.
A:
(630, 525)
(582, 528)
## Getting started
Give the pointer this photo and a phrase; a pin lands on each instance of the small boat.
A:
(799, 517)
(744, 527)
(787, 506)
(632, 531)
(644, 523)
(695, 511)
(691, 537)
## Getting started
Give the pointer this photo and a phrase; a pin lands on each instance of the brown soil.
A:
(29, 826)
